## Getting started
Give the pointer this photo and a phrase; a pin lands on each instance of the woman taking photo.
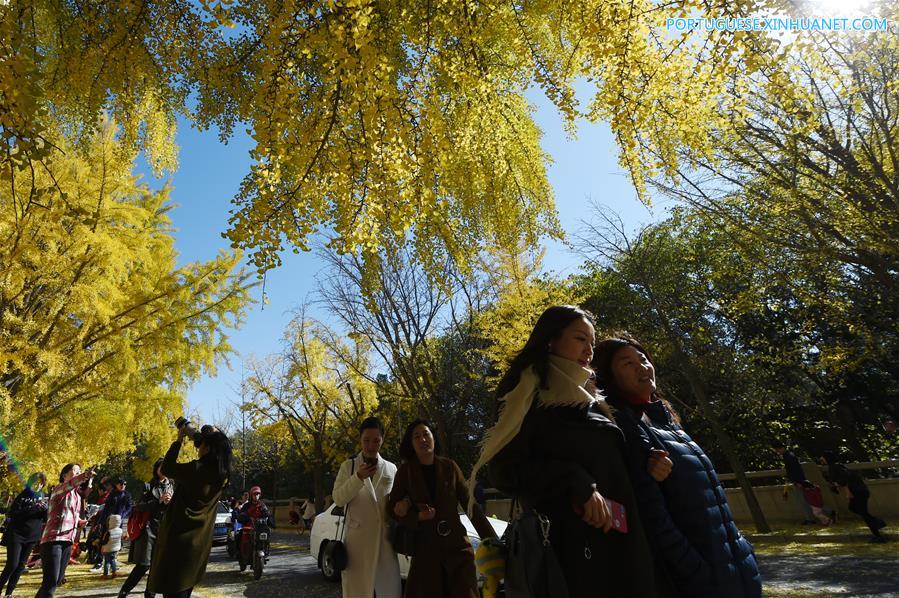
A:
(361, 488)
(425, 498)
(64, 522)
(682, 502)
(556, 449)
(152, 505)
(23, 529)
(185, 534)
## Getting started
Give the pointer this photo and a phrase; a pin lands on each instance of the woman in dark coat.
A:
(185, 535)
(682, 503)
(426, 495)
(556, 449)
(857, 491)
(23, 529)
(153, 503)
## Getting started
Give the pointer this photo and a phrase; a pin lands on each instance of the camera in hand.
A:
(196, 437)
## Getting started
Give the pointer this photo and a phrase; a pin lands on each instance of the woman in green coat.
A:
(185, 535)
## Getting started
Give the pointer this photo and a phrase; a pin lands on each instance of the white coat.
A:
(371, 562)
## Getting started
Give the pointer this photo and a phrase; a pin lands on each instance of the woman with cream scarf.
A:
(556, 448)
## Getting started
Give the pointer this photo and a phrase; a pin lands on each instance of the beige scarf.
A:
(566, 380)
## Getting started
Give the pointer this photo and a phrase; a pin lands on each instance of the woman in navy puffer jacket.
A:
(682, 502)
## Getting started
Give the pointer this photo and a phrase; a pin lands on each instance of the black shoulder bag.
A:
(335, 550)
(532, 569)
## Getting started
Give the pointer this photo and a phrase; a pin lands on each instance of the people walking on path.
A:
(856, 490)
(803, 487)
(556, 448)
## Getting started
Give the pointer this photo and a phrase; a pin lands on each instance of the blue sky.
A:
(210, 173)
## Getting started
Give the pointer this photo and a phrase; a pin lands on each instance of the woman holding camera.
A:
(425, 499)
(185, 535)
(64, 523)
(361, 488)
(23, 529)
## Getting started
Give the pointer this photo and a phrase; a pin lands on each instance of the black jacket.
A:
(793, 467)
(687, 517)
(25, 516)
(560, 455)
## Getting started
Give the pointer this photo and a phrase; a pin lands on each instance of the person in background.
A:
(118, 502)
(23, 529)
(104, 490)
(63, 525)
(255, 508)
(425, 498)
(682, 503)
(110, 545)
(842, 477)
(362, 485)
(185, 535)
(309, 513)
(797, 478)
(154, 501)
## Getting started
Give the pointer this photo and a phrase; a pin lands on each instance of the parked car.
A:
(222, 525)
(325, 528)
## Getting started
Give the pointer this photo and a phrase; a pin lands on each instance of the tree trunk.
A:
(318, 476)
(724, 439)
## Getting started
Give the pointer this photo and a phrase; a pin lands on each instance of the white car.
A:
(325, 527)
(222, 524)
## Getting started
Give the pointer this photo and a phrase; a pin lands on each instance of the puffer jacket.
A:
(112, 539)
(686, 516)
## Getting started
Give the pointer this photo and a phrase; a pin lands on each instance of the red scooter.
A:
(253, 545)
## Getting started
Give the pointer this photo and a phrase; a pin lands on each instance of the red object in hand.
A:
(619, 516)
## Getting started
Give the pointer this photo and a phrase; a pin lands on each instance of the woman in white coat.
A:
(362, 486)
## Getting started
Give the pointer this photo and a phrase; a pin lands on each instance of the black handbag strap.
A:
(346, 511)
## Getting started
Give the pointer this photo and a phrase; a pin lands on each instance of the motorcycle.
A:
(253, 546)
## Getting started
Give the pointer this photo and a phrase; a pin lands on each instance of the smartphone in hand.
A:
(619, 516)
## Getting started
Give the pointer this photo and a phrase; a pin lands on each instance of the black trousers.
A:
(182, 594)
(133, 579)
(54, 560)
(858, 504)
(16, 557)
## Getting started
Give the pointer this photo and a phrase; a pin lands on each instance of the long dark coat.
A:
(185, 534)
(443, 566)
(554, 463)
(687, 516)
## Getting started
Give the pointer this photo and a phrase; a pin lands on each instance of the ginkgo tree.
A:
(311, 399)
(386, 122)
(101, 330)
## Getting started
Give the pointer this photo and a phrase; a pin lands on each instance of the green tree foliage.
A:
(807, 195)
